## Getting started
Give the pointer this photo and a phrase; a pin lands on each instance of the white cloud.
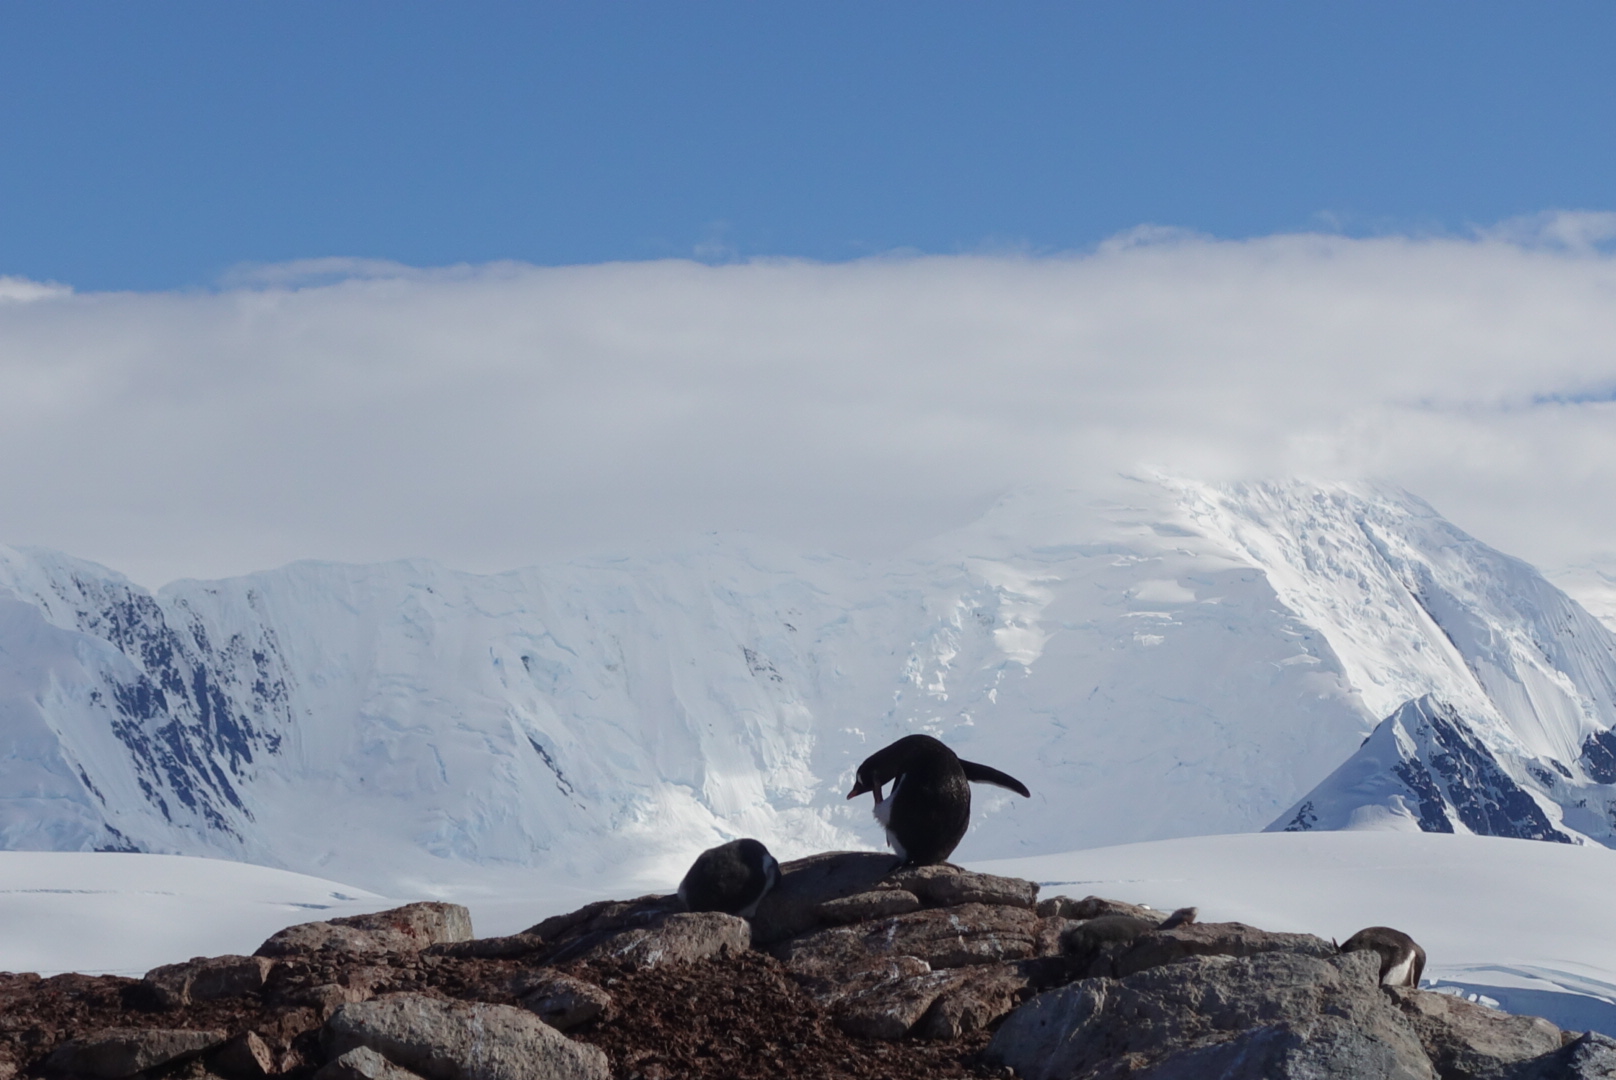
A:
(494, 416)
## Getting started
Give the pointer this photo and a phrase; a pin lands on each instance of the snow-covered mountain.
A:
(1175, 659)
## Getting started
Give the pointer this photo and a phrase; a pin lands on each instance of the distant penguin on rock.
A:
(731, 878)
(1401, 959)
(929, 808)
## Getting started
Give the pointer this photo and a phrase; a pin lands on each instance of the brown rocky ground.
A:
(848, 970)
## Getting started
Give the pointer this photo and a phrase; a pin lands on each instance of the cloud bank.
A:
(494, 416)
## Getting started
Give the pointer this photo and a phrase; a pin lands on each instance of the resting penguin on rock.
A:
(1401, 958)
(731, 878)
(929, 809)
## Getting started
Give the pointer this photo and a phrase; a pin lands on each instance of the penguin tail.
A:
(986, 774)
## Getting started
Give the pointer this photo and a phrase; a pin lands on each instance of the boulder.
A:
(245, 1057)
(1465, 1039)
(1592, 1056)
(562, 1001)
(943, 937)
(587, 931)
(891, 1007)
(119, 1052)
(980, 997)
(207, 978)
(1214, 939)
(678, 939)
(1092, 907)
(945, 885)
(861, 907)
(460, 1040)
(490, 948)
(792, 906)
(363, 1063)
(1270, 1016)
(403, 929)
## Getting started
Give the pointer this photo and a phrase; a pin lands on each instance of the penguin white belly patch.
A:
(929, 809)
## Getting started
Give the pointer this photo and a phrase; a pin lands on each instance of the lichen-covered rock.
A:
(207, 978)
(681, 938)
(1092, 907)
(982, 995)
(943, 937)
(245, 1057)
(562, 1001)
(119, 1052)
(363, 1063)
(1465, 1039)
(948, 886)
(861, 907)
(890, 1008)
(507, 947)
(459, 1040)
(792, 906)
(408, 928)
(1264, 1017)
(1592, 1056)
(1214, 939)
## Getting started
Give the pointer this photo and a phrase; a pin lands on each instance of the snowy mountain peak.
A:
(1162, 659)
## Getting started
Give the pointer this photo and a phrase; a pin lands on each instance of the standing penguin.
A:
(929, 809)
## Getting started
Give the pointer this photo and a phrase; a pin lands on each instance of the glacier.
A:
(1162, 658)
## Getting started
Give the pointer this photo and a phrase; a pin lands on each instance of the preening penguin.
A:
(929, 808)
(731, 878)
(1401, 958)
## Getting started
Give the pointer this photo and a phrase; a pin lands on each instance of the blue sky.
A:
(155, 146)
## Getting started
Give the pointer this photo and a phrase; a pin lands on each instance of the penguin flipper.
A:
(986, 774)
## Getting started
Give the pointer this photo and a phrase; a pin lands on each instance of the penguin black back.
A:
(1402, 961)
(929, 808)
(731, 878)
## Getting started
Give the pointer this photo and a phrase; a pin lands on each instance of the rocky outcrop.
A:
(412, 927)
(850, 968)
(458, 1040)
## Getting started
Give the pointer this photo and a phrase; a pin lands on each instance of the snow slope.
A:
(1164, 659)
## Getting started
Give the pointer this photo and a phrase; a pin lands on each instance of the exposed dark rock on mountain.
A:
(846, 972)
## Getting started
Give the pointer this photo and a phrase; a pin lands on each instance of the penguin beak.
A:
(858, 789)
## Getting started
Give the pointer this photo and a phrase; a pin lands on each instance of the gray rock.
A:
(1275, 1014)
(119, 1052)
(1465, 1039)
(944, 885)
(562, 1001)
(792, 906)
(207, 978)
(890, 1008)
(1094, 945)
(403, 929)
(679, 939)
(875, 904)
(982, 995)
(490, 948)
(458, 1040)
(1092, 907)
(835, 985)
(943, 937)
(605, 915)
(363, 1063)
(244, 1057)
(1592, 1056)
(1214, 939)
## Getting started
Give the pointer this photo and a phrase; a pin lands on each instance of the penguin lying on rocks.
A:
(731, 878)
(929, 809)
(1401, 958)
